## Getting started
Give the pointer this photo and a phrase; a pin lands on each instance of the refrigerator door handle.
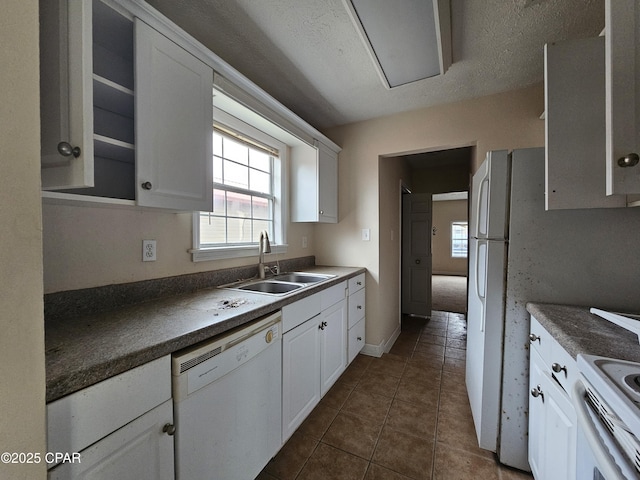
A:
(481, 260)
(481, 216)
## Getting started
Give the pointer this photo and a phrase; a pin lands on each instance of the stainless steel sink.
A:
(301, 277)
(269, 286)
(280, 284)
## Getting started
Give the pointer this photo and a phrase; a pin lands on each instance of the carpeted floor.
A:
(449, 293)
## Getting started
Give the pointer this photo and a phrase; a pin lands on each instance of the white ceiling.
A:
(308, 55)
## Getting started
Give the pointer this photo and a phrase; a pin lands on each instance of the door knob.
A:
(533, 337)
(147, 186)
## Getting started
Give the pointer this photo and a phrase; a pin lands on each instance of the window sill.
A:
(220, 253)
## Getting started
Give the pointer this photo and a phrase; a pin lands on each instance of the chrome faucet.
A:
(263, 247)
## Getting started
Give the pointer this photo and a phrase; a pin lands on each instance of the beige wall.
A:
(22, 390)
(445, 212)
(93, 246)
(508, 120)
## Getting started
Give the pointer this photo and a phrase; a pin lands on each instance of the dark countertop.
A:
(83, 350)
(579, 331)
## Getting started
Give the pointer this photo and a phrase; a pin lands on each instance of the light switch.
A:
(366, 234)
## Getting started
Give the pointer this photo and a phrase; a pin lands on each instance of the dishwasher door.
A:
(227, 404)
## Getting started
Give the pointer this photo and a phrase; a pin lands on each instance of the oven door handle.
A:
(606, 465)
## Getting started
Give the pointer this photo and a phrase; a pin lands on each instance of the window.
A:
(459, 239)
(247, 193)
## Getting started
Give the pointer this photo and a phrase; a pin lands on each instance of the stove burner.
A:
(633, 382)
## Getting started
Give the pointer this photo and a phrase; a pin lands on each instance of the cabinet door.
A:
(622, 53)
(327, 184)
(559, 433)
(333, 344)
(138, 451)
(575, 126)
(300, 375)
(66, 93)
(536, 415)
(174, 124)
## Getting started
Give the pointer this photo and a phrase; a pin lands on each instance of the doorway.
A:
(434, 175)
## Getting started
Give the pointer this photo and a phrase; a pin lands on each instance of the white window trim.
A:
(281, 214)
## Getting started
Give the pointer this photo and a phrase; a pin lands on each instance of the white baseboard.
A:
(383, 347)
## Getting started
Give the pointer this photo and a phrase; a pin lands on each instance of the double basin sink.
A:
(280, 284)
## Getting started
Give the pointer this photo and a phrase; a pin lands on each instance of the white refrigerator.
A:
(520, 253)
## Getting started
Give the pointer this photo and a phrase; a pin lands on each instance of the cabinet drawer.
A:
(356, 283)
(356, 340)
(333, 295)
(356, 307)
(78, 420)
(299, 312)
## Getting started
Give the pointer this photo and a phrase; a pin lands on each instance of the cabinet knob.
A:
(322, 325)
(66, 150)
(359, 339)
(359, 307)
(169, 429)
(147, 186)
(556, 367)
(630, 160)
(321, 212)
(417, 261)
(533, 337)
(537, 392)
(358, 283)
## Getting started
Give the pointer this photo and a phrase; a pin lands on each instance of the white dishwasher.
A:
(227, 398)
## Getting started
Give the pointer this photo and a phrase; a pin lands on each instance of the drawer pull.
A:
(359, 307)
(533, 337)
(359, 339)
(556, 367)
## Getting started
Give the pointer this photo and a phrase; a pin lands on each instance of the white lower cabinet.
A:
(552, 418)
(121, 427)
(140, 450)
(333, 345)
(300, 367)
(314, 352)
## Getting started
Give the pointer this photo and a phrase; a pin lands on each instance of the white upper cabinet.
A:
(622, 52)
(314, 184)
(127, 114)
(174, 110)
(575, 125)
(67, 119)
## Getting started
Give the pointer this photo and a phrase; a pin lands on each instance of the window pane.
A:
(238, 230)
(217, 170)
(236, 175)
(238, 205)
(218, 202)
(260, 160)
(212, 229)
(217, 144)
(236, 151)
(258, 226)
(459, 239)
(259, 181)
(262, 208)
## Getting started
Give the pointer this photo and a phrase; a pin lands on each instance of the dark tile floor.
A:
(404, 416)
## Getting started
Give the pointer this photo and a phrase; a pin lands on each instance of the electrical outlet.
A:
(304, 241)
(148, 250)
